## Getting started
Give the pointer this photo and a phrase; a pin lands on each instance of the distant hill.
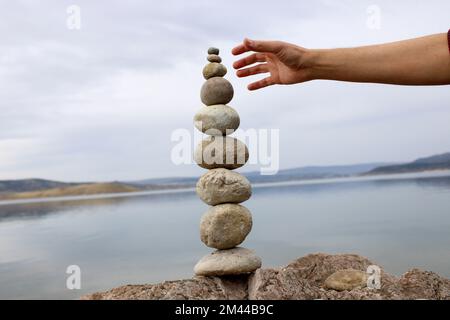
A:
(39, 188)
(25, 185)
(436, 162)
(314, 172)
(335, 170)
(311, 172)
(77, 190)
(176, 181)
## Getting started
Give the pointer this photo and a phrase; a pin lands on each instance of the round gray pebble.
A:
(214, 58)
(216, 90)
(213, 50)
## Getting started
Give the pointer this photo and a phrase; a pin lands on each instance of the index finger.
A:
(239, 49)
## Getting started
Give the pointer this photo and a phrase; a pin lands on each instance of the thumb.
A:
(263, 46)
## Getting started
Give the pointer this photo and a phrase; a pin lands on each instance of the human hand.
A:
(286, 63)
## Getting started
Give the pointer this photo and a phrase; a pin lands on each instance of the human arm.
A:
(420, 61)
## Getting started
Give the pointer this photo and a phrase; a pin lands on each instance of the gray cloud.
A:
(100, 103)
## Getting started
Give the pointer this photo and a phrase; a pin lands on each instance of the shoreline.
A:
(398, 176)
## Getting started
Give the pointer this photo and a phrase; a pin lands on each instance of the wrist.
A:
(324, 64)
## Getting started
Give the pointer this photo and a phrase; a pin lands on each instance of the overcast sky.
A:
(100, 103)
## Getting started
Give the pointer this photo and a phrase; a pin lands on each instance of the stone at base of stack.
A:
(228, 262)
(227, 223)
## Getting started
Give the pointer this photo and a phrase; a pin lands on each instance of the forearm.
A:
(421, 61)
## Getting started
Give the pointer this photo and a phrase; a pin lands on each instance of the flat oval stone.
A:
(214, 58)
(347, 279)
(216, 90)
(213, 50)
(214, 69)
(221, 152)
(219, 186)
(228, 262)
(225, 226)
(217, 120)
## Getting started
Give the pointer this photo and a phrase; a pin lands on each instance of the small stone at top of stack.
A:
(227, 223)
(214, 68)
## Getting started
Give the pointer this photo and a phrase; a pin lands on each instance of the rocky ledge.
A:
(316, 276)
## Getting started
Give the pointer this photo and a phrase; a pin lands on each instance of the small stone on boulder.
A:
(347, 279)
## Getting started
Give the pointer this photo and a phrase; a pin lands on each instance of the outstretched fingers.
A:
(262, 49)
(261, 84)
(257, 46)
(253, 58)
(260, 68)
(241, 48)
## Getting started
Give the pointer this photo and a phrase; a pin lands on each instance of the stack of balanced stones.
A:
(227, 223)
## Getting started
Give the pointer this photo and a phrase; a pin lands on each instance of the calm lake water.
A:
(397, 223)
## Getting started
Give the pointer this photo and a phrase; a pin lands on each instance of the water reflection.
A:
(36, 210)
(399, 223)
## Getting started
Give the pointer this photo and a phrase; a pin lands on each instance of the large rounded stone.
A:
(228, 262)
(225, 226)
(221, 152)
(216, 90)
(223, 186)
(214, 70)
(217, 120)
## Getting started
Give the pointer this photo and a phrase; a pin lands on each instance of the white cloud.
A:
(101, 103)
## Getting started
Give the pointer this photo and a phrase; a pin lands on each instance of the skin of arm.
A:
(420, 61)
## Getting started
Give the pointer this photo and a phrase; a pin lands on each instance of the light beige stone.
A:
(221, 152)
(225, 226)
(223, 186)
(228, 262)
(214, 69)
(347, 279)
(217, 120)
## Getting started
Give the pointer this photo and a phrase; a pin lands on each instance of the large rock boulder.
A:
(302, 279)
(198, 288)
